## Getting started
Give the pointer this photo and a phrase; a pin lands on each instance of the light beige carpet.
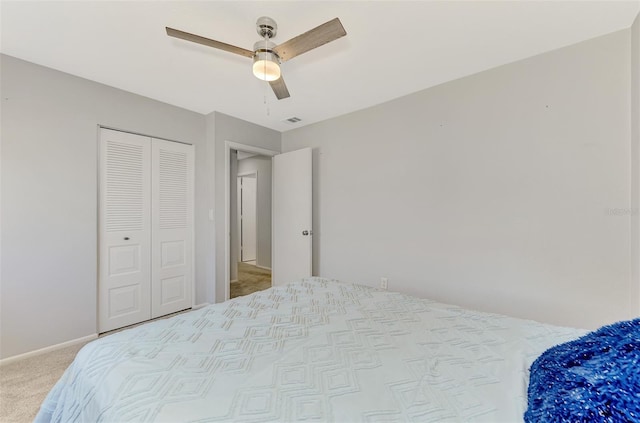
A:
(24, 384)
(250, 279)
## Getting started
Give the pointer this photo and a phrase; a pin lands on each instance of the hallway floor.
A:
(250, 279)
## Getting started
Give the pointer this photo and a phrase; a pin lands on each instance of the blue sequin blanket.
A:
(595, 378)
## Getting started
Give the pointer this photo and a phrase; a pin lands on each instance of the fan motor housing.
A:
(266, 27)
(264, 51)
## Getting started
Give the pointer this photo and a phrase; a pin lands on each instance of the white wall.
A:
(635, 159)
(261, 165)
(493, 191)
(49, 197)
(228, 128)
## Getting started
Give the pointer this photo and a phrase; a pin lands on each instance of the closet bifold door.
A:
(171, 227)
(124, 230)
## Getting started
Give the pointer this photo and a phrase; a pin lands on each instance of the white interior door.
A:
(124, 225)
(248, 211)
(292, 216)
(171, 223)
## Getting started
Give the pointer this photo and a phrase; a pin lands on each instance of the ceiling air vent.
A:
(292, 120)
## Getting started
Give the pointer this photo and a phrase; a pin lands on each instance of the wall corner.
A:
(635, 166)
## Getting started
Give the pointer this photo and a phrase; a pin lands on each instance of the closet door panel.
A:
(124, 230)
(172, 227)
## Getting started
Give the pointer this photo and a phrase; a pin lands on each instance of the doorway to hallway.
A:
(250, 212)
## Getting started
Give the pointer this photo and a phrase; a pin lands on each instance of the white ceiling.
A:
(392, 48)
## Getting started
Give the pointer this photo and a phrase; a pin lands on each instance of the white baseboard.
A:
(19, 357)
(235, 280)
(197, 306)
(263, 267)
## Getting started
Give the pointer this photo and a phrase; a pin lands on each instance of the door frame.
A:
(242, 175)
(228, 146)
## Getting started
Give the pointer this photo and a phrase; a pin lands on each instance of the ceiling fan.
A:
(266, 55)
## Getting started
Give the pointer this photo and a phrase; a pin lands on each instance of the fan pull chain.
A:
(265, 101)
(266, 47)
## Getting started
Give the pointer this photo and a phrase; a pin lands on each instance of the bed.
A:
(314, 350)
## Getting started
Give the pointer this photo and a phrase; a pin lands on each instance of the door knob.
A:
(305, 232)
(126, 238)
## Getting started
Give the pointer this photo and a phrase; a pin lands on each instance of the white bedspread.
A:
(316, 350)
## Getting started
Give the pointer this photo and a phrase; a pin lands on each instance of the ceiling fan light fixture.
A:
(265, 67)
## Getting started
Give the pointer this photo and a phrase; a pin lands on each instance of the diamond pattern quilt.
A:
(315, 350)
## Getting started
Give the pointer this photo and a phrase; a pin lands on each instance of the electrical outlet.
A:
(384, 283)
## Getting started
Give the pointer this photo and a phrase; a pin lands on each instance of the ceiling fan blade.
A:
(208, 42)
(279, 88)
(316, 37)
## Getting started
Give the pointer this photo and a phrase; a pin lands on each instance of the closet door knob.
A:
(126, 238)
